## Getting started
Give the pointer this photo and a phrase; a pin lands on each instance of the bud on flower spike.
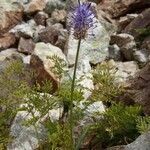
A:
(82, 20)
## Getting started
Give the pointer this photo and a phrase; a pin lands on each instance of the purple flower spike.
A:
(81, 20)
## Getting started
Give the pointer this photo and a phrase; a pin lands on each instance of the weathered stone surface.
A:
(8, 53)
(10, 15)
(25, 137)
(107, 22)
(126, 44)
(123, 70)
(124, 21)
(7, 40)
(43, 65)
(146, 43)
(142, 56)
(26, 59)
(62, 38)
(140, 22)
(120, 8)
(25, 30)
(49, 35)
(40, 18)
(59, 16)
(26, 46)
(36, 37)
(138, 90)
(54, 4)
(54, 36)
(50, 22)
(34, 6)
(114, 52)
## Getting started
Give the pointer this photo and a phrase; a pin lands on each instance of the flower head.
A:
(81, 20)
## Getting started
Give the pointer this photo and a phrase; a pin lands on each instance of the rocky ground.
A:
(34, 30)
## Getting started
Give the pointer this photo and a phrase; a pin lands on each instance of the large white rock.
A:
(28, 137)
(25, 138)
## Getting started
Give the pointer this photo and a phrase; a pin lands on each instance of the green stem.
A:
(72, 90)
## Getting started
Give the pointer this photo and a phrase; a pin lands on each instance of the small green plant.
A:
(118, 125)
(12, 92)
(143, 124)
(143, 33)
(105, 87)
(58, 131)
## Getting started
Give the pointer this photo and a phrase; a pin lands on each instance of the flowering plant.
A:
(81, 24)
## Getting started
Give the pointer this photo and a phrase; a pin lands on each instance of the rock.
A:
(54, 36)
(95, 107)
(126, 44)
(54, 4)
(124, 21)
(59, 26)
(34, 6)
(22, 2)
(26, 46)
(107, 22)
(123, 70)
(26, 59)
(43, 65)
(62, 38)
(7, 40)
(126, 70)
(94, 48)
(11, 15)
(25, 137)
(146, 43)
(141, 143)
(36, 37)
(142, 56)
(40, 18)
(114, 52)
(123, 7)
(59, 16)
(25, 30)
(49, 35)
(138, 90)
(50, 22)
(8, 53)
(140, 22)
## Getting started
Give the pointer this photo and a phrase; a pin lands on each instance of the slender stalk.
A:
(79, 2)
(72, 89)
